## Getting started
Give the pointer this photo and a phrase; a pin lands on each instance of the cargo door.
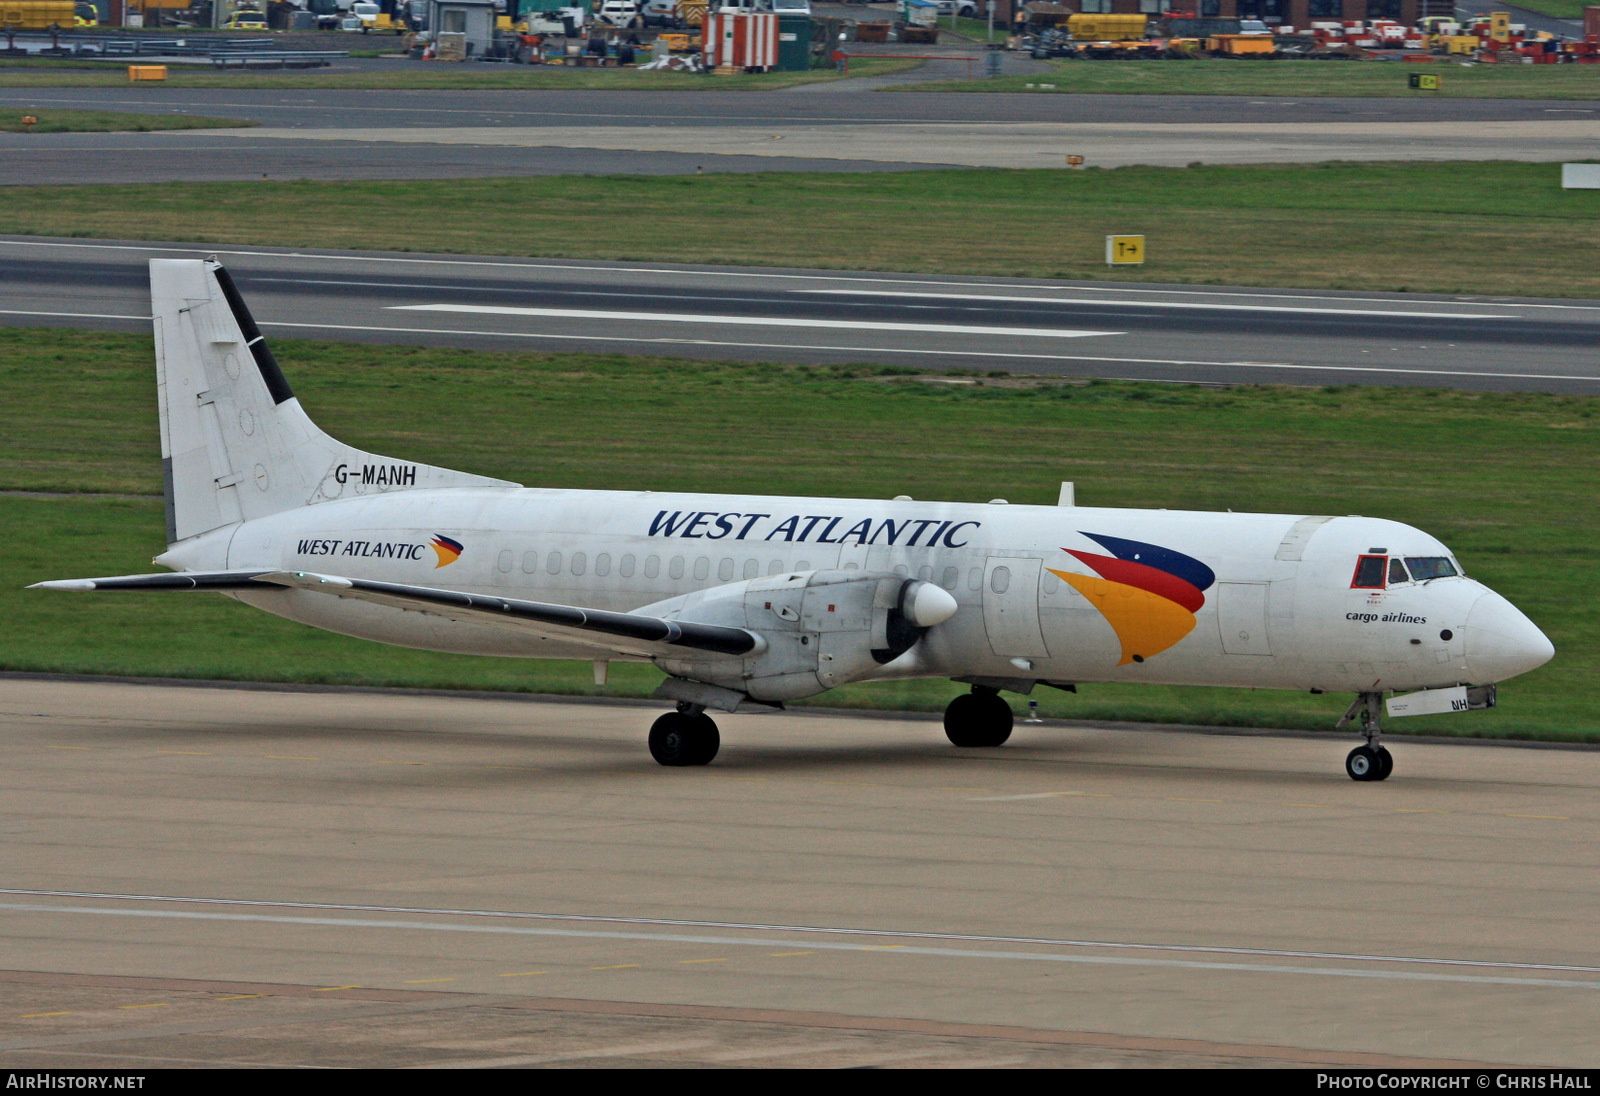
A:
(1011, 607)
(1242, 616)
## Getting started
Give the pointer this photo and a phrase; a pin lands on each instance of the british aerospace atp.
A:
(757, 600)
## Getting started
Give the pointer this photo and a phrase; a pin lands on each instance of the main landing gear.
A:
(685, 737)
(978, 718)
(1372, 761)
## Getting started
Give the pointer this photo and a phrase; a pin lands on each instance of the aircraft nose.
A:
(1501, 642)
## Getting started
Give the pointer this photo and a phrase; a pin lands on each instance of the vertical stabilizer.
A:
(235, 443)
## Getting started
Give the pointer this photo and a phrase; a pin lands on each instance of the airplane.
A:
(748, 602)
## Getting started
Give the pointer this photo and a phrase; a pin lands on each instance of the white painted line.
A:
(862, 277)
(73, 315)
(1108, 303)
(820, 945)
(576, 918)
(1003, 355)
(747, 321)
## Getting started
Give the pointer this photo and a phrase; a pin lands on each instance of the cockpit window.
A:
(1397, 572)
(1369, 573)
(1426, 567)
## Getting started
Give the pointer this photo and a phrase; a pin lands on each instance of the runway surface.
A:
(341, 877)
(337, 134)
(925, 322)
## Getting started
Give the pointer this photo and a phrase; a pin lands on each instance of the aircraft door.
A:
(1011, 607)
(1242, 616)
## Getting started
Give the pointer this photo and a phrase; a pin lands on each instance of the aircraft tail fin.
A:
(235, 442)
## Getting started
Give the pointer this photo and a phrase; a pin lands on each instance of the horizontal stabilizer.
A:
(621, 633)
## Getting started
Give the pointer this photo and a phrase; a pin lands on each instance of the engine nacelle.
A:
(822, 628)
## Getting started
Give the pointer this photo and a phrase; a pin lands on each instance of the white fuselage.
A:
(1282, 612)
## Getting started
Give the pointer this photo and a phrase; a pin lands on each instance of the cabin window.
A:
(1397, 571)
(675, 568)
(1426, 567)
(775, 567)
(625, 568)
(602, 564)
(725, 570)
(580, 563)
(752, 568)
(975, 579)
(952, 576)
(1000, 580)
(925, 574)
(702, 568)
(802, 565)
(1369, 573)
(552, 564)
(652, 566)
(530, 562)
(504, 561)
(902, 570)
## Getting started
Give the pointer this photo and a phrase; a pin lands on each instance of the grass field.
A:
(107, 121)
(1490, 228)
(1297, 79)
(1509, 481)
(429, 77)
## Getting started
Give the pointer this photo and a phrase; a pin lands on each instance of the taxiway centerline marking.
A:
(749, 321)
(899, 949)
(1109, 303)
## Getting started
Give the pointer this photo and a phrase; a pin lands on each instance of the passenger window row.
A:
(578, 563)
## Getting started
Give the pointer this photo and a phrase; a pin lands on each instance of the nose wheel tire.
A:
(978, 719)
(679, 738)
(1369, 763)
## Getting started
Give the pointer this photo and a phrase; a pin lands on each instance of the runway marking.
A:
(1552, 817)
(241, 997)
(1417, 810)
(789, 954)
(903, 949)
(425, 981)
(422, 764)
(289, 757)
(750, 321)
(702, 960)
(1014, 798)
(1108, 303)
(186, 753)
(73, 315)
(157, 1004)
(905, 934)
(922, 352)
(524, 973)
(42, 1015)
(330, 989)
(1185, 799)
(861, 277)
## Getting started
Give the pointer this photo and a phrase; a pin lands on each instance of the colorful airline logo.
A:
(1148, 594)
(449, 550)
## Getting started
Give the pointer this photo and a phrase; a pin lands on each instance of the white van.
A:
(787, 7)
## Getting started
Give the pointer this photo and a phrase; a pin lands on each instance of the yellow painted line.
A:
(1553, 817)
(523, 973)
(1186, 799)
(186, 753)
(851, 783)
(242, 997)
(37, 1015)
(157, 1004)
(880, 947)
(702, 960)
(420, 981)
(291, 757)
(1321, 806)
(1417, 810)
(782, 954)
(1107, 795)
(49, 747)
(326, 989)
(619, 966)
(420, 763)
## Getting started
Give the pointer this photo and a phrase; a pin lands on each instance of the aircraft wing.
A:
(618, 633)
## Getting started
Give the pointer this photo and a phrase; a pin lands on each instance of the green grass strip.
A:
(107, 121)
(1508, 480)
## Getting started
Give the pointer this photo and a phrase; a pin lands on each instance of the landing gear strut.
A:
(685, 737)
(1372, 761)
(978, 718)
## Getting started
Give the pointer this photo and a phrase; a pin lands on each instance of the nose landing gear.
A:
(1372, 761)
(685, 737)
(978, 718)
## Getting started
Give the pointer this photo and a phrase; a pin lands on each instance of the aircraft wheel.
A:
(1365, 763)
(678, 738)
(1385, 764)
(978, 719)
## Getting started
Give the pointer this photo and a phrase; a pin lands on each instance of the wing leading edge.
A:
(627, 633)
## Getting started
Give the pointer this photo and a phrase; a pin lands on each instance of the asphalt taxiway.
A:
(924, 322)
(246, 875)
